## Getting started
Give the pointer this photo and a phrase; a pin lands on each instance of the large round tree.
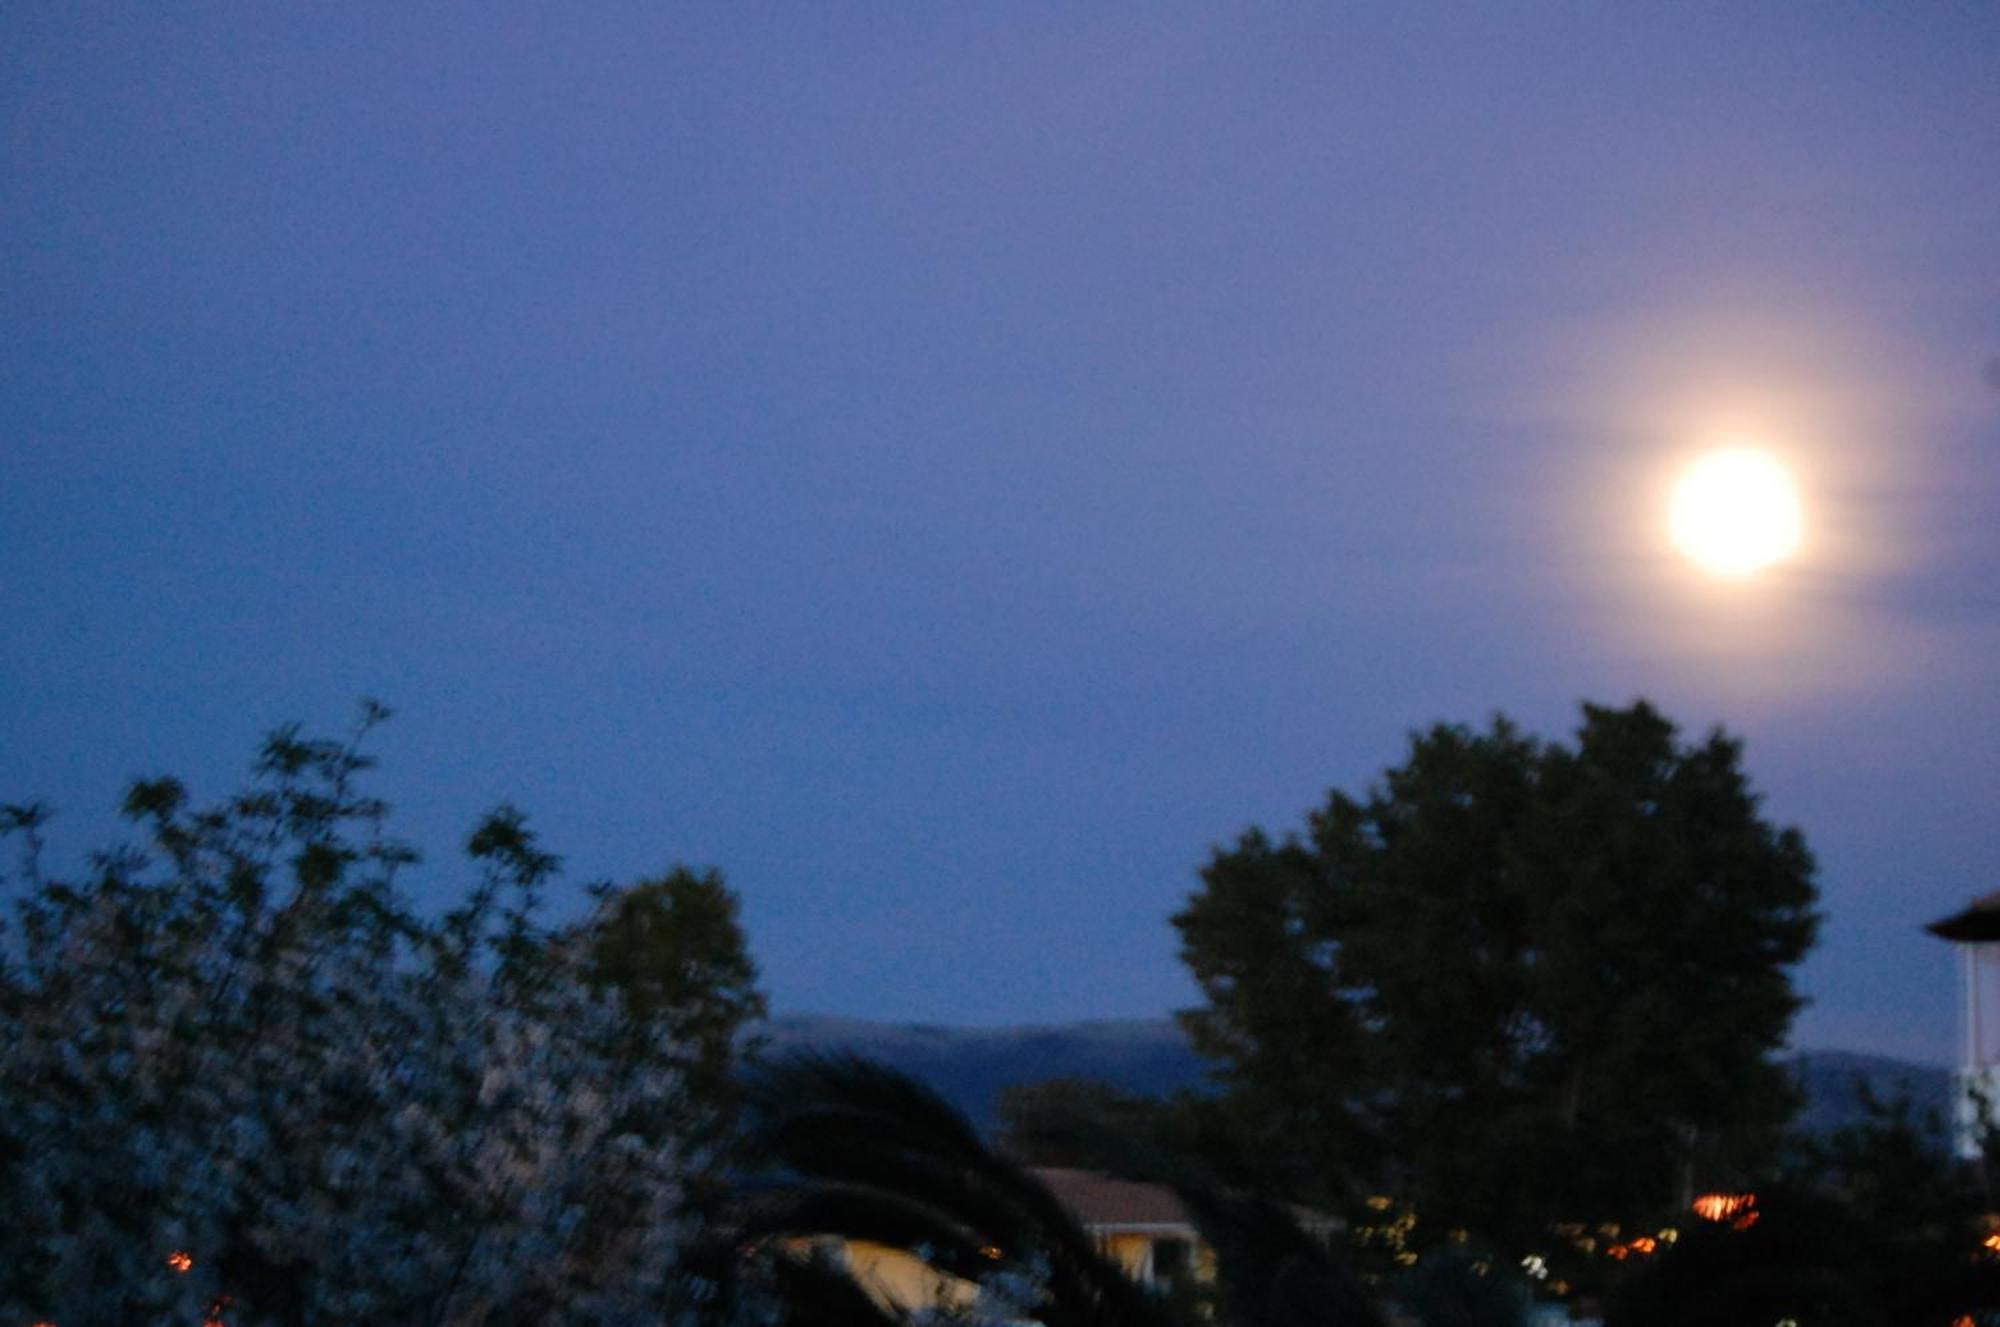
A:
(1515, 982)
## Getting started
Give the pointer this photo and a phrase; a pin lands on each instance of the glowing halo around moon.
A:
(1736, 512)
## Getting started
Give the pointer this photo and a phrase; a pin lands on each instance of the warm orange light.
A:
(1992, 1242)
(1722, 1206)
(1643, 1245)
(180, 1260)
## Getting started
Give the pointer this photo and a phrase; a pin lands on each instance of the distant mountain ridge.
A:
(1151, 1057)
(1834, 1082)
(970, 1066)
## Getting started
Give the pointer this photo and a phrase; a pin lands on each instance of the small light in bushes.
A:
(1722, 1206)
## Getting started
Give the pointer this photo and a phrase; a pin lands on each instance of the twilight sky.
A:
(948, 466)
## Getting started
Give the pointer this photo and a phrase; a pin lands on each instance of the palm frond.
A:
(863, 1152)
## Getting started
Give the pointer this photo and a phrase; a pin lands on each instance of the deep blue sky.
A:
(948, 466)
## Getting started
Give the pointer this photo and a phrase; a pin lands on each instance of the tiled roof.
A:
(1099, 1200)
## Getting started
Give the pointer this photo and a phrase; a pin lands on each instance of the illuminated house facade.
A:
(1142, 1227)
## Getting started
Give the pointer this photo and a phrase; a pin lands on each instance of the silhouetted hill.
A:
(970, 1066)
(1833, 1079)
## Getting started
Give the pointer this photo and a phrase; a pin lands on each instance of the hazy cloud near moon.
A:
(1869, 430)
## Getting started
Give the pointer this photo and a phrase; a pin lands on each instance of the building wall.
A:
(1132, 1252)
(898, 1279)
(1138, 1252)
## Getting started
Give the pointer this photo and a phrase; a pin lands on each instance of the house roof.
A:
(1979, 923)
(1100, 1200)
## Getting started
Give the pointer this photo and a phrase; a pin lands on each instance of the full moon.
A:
(1736, 512)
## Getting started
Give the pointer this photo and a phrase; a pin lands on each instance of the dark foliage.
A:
(1453, 1290)
(1875, 1223)
(1517, 981)
(863, 1153)
(239, 1069)
(1272, 1273)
